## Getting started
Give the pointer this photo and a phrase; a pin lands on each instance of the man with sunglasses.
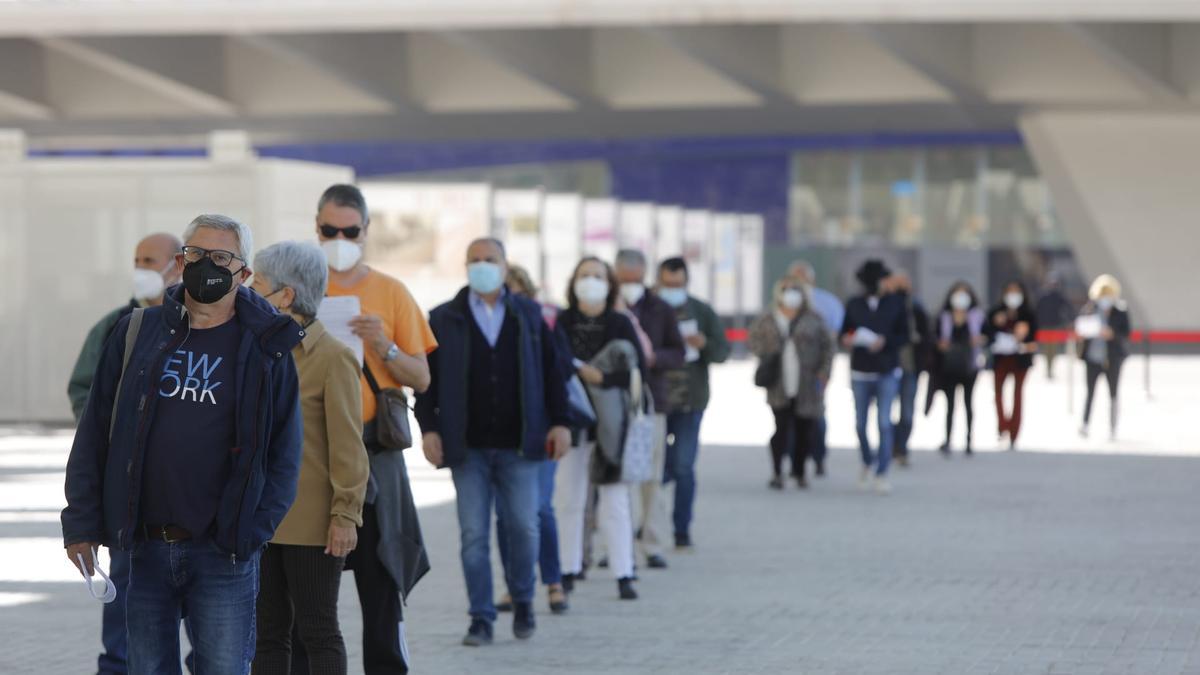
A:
(390, 557)
(188, 455)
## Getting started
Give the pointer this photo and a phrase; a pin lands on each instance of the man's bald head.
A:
(157, 252)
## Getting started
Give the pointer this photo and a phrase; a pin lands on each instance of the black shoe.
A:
(603, 564)
(505, 604)
(683, 542)
(821, 469)
(524, 623)
(568, 583)
(945, 449)
(625, 589)
(582, 576)
(775, 484)
(801, 483)
(656, 562)
(969, 451)
(558, 600)
(479, 634)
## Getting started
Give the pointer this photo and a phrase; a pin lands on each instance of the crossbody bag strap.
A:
(371, 379)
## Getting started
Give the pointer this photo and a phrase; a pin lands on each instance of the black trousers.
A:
(298, 592)
(968, 387)
(795, 433)
(1112, 373)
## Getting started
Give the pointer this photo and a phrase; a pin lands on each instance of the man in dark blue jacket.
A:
(874, 329)
(188, 454)
(495, 409)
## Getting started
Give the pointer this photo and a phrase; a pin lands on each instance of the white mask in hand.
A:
(102, 589)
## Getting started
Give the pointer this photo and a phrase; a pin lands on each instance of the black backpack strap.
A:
(131, 335)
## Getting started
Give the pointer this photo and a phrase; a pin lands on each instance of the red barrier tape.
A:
(1166, 337)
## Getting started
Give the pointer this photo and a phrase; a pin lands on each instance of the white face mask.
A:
(961, 300)
(148, 284)
(342, 255)
(792, 299)
(632, 293)
(675, 297)
(102, 589)
(591, 291)
(1104, 303)
(1013, 300)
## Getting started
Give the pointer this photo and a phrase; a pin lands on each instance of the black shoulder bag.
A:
(392, 430)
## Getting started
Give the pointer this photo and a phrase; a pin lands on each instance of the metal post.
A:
(1146, 376)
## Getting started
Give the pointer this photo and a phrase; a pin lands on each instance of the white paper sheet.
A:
(335, 314)
(1005, 344)
(688, 328)
(1089, 326)
(865, 337)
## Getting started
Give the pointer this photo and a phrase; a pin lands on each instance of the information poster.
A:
(600, 228)
(637, 227)
(697, 236)
(516, 220)
(562, 242)
(751, 269)
(726, 240)
(669, 240)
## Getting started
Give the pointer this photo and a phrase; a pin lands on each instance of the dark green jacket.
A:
(688, 388)
(85, 366)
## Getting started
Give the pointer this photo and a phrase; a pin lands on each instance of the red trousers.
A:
(1010, 424)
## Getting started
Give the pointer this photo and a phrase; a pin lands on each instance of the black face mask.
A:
(207, 282)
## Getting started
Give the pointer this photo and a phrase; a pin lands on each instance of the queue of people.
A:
(892, 341)
(235, 457)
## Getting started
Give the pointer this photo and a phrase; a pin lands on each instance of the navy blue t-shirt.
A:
(187, 461)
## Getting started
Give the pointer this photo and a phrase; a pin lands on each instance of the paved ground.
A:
(1073, 557)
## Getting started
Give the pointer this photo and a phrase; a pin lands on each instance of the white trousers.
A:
(612, 512)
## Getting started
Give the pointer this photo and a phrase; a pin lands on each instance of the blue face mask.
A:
(675, 297)
(484, 277)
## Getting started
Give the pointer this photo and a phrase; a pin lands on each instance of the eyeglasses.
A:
(331, 232)
(220, 258)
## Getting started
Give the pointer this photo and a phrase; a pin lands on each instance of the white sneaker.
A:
(864, 478)
(1083, 431)
(882, 486)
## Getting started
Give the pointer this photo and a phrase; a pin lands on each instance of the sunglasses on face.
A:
(331, 232)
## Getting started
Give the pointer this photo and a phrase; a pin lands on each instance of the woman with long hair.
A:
(589, 326)
(959, 342)
(1012, 332)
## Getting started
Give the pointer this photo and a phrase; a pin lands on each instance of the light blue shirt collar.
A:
(489, 319)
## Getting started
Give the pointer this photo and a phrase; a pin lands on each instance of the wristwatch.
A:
(392, 354)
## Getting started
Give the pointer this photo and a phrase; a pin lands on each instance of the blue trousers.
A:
(548, 560)
(510, 482)
(682, 452)
(883, 392)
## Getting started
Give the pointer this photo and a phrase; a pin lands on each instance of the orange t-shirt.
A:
(403, 320)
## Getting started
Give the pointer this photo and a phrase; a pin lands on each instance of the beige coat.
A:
(814, 345)
(335, 467)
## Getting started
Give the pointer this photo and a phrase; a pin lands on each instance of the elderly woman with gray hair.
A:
(301, 569)
(795, 352)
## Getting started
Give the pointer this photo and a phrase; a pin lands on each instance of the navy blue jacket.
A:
(889, 319)
(104, 479)
(443, 407)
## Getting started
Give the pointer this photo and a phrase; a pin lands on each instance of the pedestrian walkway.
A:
(1028, 562)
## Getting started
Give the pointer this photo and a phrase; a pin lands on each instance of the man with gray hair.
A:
(667, 353)
(154, 270)
(187, 455)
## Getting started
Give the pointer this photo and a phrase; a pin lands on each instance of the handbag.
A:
(769, 371)
(392, 430)
(580, 413)
(637, 457)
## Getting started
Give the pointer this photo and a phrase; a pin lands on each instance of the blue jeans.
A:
(112, 629)
(883, 391)
(547, 528)
(512, 481)
(219, 594)
(908, 404)
(684, 431)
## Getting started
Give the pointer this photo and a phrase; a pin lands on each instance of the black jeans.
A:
(1112, 373)
(298, 587)
(968, 387)
(794, 432)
